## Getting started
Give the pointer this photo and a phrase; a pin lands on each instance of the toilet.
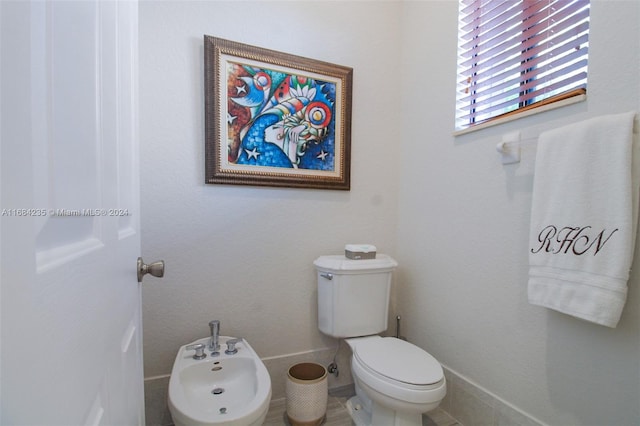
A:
(395, 381)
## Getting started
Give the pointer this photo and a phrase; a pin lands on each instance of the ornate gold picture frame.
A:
(274, 119)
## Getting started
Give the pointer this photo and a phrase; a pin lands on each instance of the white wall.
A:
(240, 254)
(463, 235)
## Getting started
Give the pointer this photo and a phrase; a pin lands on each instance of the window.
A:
(516, 55)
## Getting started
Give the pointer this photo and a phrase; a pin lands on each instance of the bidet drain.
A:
(217, 391)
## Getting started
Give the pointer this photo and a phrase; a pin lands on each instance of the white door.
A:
(71, 350)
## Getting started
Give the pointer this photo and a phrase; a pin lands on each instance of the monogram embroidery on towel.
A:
(577, 240)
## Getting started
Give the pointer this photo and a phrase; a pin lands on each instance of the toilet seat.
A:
(399, 370)
(396, 360)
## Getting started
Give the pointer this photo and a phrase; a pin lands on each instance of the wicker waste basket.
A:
(307, 393)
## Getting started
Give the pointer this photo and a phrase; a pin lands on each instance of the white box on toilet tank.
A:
(353, 295)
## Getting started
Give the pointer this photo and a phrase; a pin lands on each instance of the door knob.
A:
(156, 269)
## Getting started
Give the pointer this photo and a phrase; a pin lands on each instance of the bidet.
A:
(228, 389)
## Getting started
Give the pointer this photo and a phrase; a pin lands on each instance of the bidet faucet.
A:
(231, 346)
(214, 346)
(199, 348)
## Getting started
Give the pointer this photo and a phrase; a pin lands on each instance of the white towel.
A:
(583, 218)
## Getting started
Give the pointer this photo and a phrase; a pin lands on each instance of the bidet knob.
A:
(199, 348)
(231, 346)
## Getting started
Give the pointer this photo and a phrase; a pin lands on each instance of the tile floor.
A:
(337, 414)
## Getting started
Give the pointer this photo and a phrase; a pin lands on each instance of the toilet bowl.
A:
(396, 381)
(232, 388)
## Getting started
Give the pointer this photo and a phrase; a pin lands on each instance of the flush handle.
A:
(327, 276)
(156, 269)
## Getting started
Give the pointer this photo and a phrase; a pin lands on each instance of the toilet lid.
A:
(399, 360)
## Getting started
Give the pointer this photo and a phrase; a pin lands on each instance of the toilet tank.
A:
(353, 295)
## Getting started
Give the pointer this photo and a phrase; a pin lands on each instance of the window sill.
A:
(512, 117)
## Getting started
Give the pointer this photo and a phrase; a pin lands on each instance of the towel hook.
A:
(509, 149)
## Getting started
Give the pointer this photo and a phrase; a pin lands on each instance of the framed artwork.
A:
(274, 119)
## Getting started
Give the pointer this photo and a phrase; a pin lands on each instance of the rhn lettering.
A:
(577, 240)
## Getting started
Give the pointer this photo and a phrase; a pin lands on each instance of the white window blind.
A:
(515, 55)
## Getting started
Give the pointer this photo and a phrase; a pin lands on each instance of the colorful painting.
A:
(275, 119)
